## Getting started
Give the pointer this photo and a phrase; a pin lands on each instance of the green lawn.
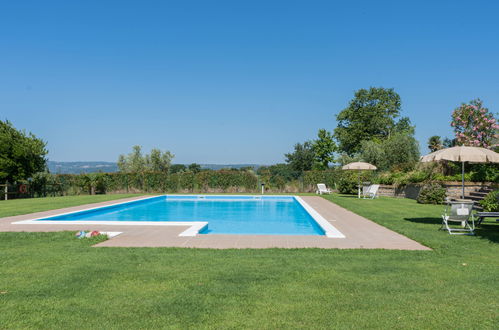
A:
(51, 280)
(24, 206)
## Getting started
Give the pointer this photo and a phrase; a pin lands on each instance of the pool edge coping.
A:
(329, 230)
(194, 226)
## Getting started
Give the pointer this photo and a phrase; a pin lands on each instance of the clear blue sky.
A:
(233, 81)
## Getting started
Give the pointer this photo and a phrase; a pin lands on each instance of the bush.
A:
(485, 172)
(432, 193)
(344, 181)
(278, 176)
(45, 184)
(491, 202)
(329, 177)
(426, 175)
(346, 186)
(349, 182)
(385, 178)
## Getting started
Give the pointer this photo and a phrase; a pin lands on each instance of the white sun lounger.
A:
(322, 189)
(459, 213)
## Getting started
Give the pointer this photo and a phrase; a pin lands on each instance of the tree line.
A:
(369, 129)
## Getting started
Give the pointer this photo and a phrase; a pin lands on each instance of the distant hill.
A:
(91, 167)
(219, 166)
(81, 167)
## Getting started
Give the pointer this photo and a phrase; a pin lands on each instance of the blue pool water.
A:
(270, 215)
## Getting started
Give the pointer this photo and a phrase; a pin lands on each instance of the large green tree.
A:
(21, 154)
(324, 147)
(370, 115)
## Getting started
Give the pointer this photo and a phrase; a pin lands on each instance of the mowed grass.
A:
(31, 205)
(52, 280)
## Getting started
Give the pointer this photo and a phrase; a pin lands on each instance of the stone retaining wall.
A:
(453, 189)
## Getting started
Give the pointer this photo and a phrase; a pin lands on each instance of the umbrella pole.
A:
(462, 177)
(359, 184)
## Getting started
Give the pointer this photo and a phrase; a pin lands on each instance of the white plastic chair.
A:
(459, 212)
(365, 189)
(372, 191)
(322, 189)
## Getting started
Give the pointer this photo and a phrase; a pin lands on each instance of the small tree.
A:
(135, 162)
(474, 125)
(195, 168)
(122, 163)
(324, 147)
(435, 143)
(158, 161)
(302, 159)
(400, 151)
(177, 168)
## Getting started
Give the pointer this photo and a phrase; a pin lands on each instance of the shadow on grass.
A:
(426, 220)
(489, 231)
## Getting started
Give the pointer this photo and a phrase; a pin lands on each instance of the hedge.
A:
(44, 184)
(329, 177)
(345, 182)
(148, 182)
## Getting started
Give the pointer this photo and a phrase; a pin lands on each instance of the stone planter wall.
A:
(453, 189)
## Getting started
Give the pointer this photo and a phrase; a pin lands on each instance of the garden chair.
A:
(322, 189)
(459, 213)
(372, 191)
(365, 189)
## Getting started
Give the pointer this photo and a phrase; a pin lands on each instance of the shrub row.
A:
(491, 202)
(346, 182)
(98, 183)
(474, 173)
(44, 184)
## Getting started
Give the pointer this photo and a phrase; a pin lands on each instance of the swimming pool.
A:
(208, 214)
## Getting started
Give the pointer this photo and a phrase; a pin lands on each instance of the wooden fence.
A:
(15, 191)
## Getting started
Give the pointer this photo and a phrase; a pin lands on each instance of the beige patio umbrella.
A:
(463, 154)
(360, 166)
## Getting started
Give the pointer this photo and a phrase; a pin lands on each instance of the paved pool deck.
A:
(360, 233)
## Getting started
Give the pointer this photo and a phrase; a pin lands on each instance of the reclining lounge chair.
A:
(459, 213)
(371, 191)
(322, 189)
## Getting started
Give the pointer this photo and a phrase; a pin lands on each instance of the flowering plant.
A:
(474, 125)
